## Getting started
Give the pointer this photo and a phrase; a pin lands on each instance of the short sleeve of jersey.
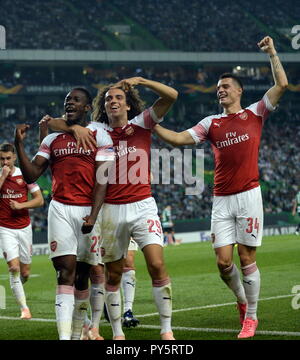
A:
(105, 150)
(33, 187)
(199, 132)
(44, 149)
(147, 119)
(262, 108)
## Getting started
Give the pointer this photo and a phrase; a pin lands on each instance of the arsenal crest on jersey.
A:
(244, 116)
(19, 181)
(129, 131)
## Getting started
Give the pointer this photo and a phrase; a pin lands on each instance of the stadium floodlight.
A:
(2, 37)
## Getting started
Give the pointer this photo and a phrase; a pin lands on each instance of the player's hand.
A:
(44, 120)
(15, 205)
(5, 171)
(267, 45)
(126, 84)
(20, 132)
(84, 137)
(88, 225)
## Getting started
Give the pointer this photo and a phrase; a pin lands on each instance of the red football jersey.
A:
(130, 178)
(73, 170)
(235, 140)
(15, 188)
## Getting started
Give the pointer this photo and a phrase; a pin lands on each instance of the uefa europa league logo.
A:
(2, 38)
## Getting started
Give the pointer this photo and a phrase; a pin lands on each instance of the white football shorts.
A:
(65, 236)
(16, 243)
(237, 218)
(133, 246)
(119, 222)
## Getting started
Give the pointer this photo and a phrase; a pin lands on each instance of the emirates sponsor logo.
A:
(231, 139)
(71, 149)
(122, 149)
(10, 194)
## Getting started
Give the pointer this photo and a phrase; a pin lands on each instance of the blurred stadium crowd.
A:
(171, 24)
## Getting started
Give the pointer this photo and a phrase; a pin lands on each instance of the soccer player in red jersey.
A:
(15, 226)
(76, 196)
(237, 212)
(129, 209)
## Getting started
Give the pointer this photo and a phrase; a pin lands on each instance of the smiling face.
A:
(228, 92)
(76, 106)
(115, 104)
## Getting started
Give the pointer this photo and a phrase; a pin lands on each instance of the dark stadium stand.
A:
(141, 25)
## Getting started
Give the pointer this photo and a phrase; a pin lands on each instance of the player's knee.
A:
(223, 264)
(66, 276)
(113, 278)
(25, 275)
(97, 274)
(156, 267)
(14, 269)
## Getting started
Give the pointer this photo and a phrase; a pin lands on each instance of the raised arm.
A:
(275, 92)
(31, 170)
(167, 95)
(172, 137)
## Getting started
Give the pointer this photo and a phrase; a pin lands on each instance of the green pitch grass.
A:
(204, 308)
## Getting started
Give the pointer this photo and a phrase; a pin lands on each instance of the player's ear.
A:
(88, 107)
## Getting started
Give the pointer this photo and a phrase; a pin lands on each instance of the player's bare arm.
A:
(36, 201)
(279, 75)
(84, 137)
(43, 128)
(167, 95)
(172, 137)
(98, 196)
(31, 170)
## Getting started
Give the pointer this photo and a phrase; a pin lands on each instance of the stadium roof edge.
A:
(84, 56)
